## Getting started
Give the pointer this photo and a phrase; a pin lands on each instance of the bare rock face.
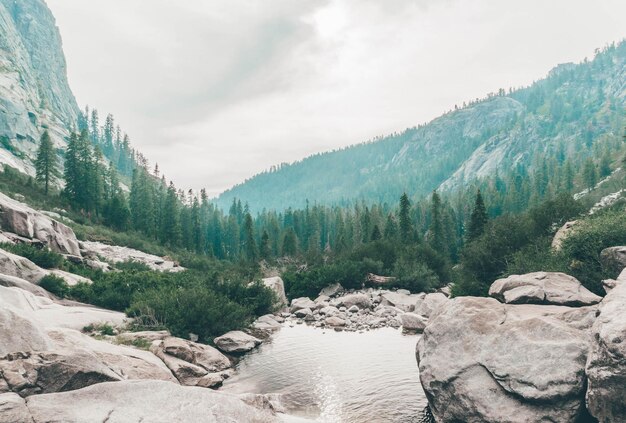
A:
(20, 267)
(135, 401)
(543, 288)
(613, 259)
(236, 341)
(404, 302)
(606, 365)
(484, 361)
(24, 221)
(277, 285)
(20, 334)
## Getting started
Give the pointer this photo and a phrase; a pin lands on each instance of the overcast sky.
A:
(216, 91)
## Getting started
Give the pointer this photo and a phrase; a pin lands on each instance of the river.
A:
(336, 377)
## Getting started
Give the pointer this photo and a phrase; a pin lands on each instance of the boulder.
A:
(303, 312)
(117, 254)
(332, 290)
(236, 342)
(335, 321)
(484, 361)
(542, 288)
(428, 305)
(19, 334)
(606, 364)
(413, 322)
(300, 303)
(148, 336)
(50, 313)
(24, 221)
(148, 401)
(13, 409)
(404, 302)
(13, 281)
(358, 299)
(267, 323)
(613, 259)
(329, 311)
(20, 267)
(277, 286)
(562, 233)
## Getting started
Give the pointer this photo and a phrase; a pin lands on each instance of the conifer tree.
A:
(45, 164)
(290, 243)
(406, 226)
(265, 249)
(478, 218)
(437, 234)
(250, 248)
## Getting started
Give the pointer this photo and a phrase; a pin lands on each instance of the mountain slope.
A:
(34, 91)
(566, 113)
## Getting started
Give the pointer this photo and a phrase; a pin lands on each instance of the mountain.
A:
(568, 114)
(34, 91)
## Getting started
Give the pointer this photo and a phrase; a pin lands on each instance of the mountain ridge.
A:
(503, 130)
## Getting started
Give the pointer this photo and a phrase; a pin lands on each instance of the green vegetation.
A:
(206, 304)
(55, 285)
(45, 164)
(41, 256)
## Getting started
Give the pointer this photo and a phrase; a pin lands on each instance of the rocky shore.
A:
(543, 348)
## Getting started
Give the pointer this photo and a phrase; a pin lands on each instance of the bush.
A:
(414, 276)
(195, 309)
(42, 257)
(55, 285)
(132, 265)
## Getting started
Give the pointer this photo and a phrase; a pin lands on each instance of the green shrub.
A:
(42, 257)
(55, 285)
(414, 276)
(132, 265)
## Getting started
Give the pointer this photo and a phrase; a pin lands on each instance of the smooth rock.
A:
(484, 361)
(332, 290)
(25, 221)
(358, 299)
(303, 312)
(334, 321)
(562, 233)
(606, 364)
(119, 254)
(145, 401)
(236, 342)
(557, 288)
(399, 300)
(428, 305)
(277, 286)
(613, 259)
(300, 303)
(413, 322)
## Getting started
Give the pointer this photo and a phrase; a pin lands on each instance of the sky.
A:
(217, 91)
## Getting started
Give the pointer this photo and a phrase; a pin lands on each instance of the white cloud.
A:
(217, 91)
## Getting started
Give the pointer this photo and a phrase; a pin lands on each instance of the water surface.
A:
(336, 377)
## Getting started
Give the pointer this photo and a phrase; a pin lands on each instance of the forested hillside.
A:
(552, 126)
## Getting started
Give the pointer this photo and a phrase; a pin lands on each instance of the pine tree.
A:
(590, 174)
(478, 219)
(437, 233)
(406, 226)
(376, 235)
(290, 243)
(265, 249)
(46, 162)
(250, 248)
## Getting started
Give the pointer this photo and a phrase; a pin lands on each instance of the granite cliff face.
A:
(34, 91)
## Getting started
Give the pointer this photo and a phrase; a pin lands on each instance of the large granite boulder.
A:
(606, 365)
(277, 286)
(22, 220)
(543, 288)
(563, 232)
(236, 342)
(332, 290)
(133, 401)
(20, 267)
(20, 334)
(613, 259)
(484, 361)
(413, 322)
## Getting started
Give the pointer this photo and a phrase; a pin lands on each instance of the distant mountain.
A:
(565, 114)
(34, 91)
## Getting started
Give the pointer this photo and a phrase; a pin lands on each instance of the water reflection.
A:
(337, 377)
